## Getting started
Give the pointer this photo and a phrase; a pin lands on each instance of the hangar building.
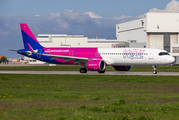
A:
(63, 40)
(158, 30)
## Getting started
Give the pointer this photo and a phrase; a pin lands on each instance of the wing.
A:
(68, 58)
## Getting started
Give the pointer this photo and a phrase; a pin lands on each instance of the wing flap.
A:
(68, 58)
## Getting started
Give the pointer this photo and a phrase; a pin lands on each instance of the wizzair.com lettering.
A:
(57, 51)
(133, 54)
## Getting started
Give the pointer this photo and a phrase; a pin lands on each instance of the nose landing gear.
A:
(154, 69)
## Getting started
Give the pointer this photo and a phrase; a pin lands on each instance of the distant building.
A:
(13, 60)
(63, 40)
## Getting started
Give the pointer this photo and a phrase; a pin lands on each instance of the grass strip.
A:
(85, 97)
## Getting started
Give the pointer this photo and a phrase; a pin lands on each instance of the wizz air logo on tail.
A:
(133, 54)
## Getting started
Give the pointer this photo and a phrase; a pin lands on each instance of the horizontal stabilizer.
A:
(25, 52)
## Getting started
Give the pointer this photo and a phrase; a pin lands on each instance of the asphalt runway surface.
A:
(92, 73)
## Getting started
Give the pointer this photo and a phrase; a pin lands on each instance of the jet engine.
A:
(122, 68)
(96, 65)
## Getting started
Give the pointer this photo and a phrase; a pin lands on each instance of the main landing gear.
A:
(101, 71)
(155, 70)
(83, 70)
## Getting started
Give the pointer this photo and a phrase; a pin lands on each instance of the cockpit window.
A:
(163, 53)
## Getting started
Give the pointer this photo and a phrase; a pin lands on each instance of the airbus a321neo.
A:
(94, 59)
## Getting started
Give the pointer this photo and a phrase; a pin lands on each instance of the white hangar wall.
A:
(163, 22)
(158, 30)
(133, 30)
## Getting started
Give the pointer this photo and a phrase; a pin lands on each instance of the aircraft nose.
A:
(172, 59)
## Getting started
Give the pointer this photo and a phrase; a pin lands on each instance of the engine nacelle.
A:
(96, 65)
(122, 68)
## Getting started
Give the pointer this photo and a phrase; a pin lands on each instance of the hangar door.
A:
(155, 40)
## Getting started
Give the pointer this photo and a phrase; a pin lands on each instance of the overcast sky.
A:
(72, 17)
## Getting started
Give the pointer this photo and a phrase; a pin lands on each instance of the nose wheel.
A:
(154, 70)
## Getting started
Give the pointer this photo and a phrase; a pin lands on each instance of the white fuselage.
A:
(135, 56)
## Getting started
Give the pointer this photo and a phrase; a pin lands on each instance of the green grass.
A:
(77, 67)
(88, 97)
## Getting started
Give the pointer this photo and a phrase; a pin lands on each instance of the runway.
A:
(92, 73)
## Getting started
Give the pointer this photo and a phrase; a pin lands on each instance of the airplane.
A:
(94, 59)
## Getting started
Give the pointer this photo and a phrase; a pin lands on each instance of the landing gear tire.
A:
(155, 70)
(83, 70)
(101, 71)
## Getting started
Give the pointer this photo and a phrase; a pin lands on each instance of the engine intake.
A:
(96, 65)
(122, 68)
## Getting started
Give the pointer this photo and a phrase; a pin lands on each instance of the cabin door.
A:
(151, 54)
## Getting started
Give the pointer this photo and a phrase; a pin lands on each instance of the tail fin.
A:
(30, 41)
